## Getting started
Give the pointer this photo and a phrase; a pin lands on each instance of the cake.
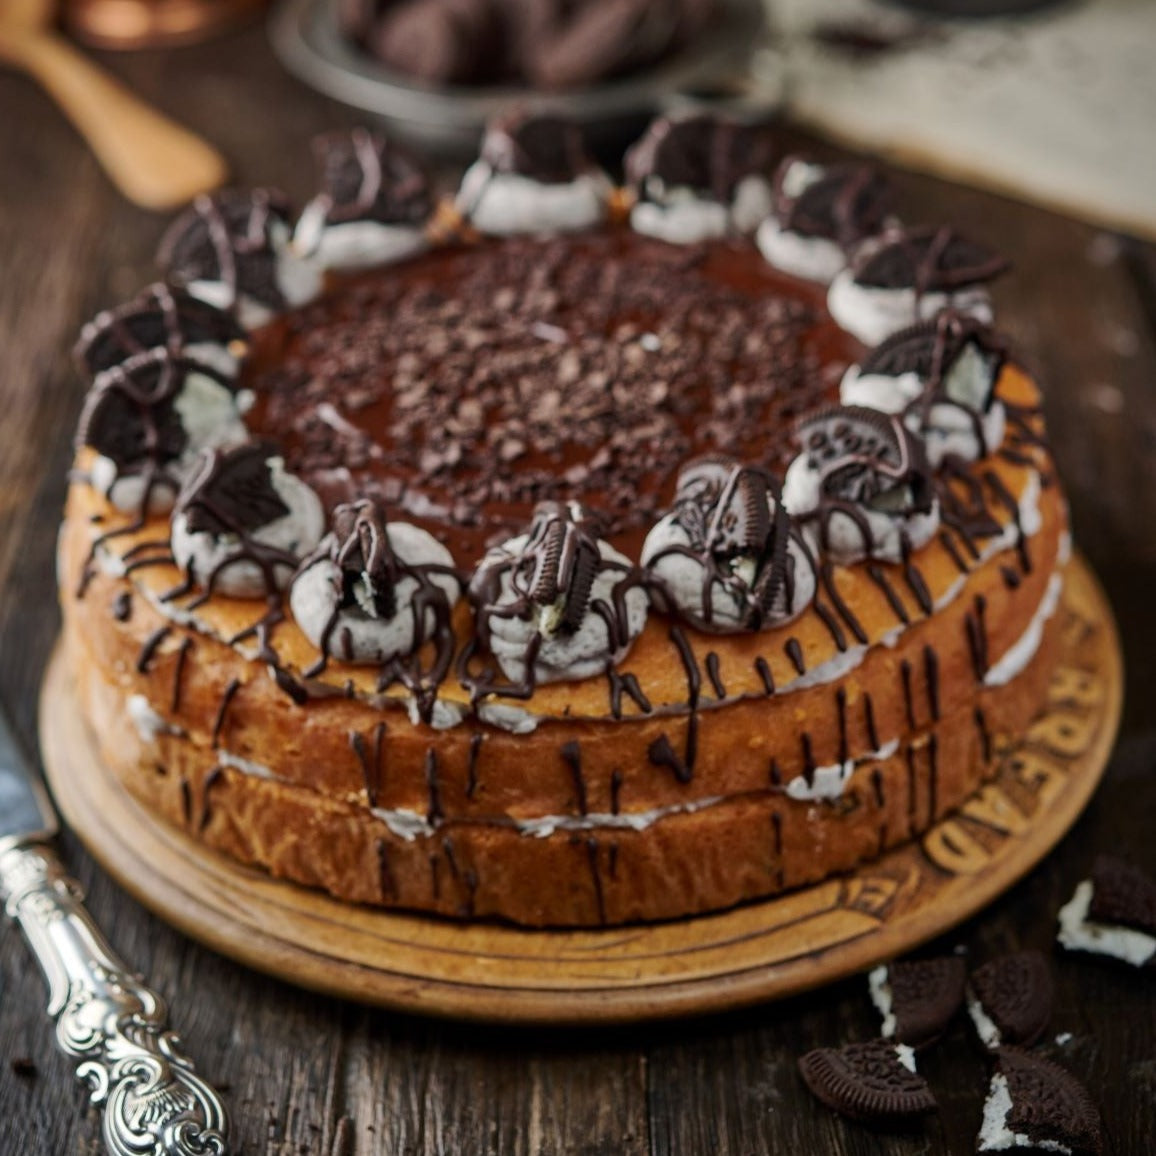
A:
(568, 578)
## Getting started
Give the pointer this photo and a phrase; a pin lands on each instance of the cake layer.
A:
(597, 870)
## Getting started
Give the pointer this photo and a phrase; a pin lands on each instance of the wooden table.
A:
(306, 1074)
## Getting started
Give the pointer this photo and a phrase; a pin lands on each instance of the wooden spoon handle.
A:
(152, 160)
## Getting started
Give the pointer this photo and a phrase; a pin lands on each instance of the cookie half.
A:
(874, 1082)
(1010, 999)
(1035, 1105)
(918, 997)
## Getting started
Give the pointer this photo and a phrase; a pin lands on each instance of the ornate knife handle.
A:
(154, 1102)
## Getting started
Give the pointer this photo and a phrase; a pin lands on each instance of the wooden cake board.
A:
(760, 951)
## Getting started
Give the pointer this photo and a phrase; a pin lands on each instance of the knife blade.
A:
(25, 812)
(152, 1099)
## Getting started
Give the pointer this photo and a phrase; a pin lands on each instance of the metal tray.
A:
(450, 120)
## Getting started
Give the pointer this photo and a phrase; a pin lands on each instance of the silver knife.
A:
(154, 1103)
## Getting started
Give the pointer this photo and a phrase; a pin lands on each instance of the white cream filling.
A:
(905, 1054)
(505, 204)
(296, 532)
(994, 1133)
(873, 314)
(812, 258)
(149, 724)
(1079, 933)
(882, 998)
(1023, 650)
(985, 1026)
(829, 782)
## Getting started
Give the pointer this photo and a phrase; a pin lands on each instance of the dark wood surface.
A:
(305, 1074)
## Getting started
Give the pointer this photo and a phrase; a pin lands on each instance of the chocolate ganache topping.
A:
(724, 558)
(467, 386)
(862, 486)
(556, 602)
(147, 418)
(375, 591)
(242, 523)
(162, 317)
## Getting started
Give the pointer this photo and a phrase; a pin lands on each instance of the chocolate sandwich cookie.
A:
(1035, 1105)
(1113, 913)
(438, 41)
(162, 317)
(861, 487)
(602, 38)
(534, 175)
(232, 250)
(819, 214)
(908, 275)
(874, 1082)
(941, 375)
(699, 175)
(917, 998)
(1010, 999)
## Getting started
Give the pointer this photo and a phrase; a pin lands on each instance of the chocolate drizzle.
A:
(927, 260)
(547, 582)
(572, 757)
(223, 710)
(150, 646)
(161, 317)
(370, 571)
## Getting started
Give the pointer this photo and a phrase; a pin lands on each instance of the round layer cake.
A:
(575, 561)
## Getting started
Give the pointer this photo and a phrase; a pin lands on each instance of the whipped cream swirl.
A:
(533, 176)
(941, 376)
(373, 207)
(147, 419)
(725, 555)
(242, 523)
(555, 603)
(861, 487)
(375, 590)
(820, 213)
(699, 176)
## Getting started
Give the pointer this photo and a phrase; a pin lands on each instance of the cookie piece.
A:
(873, 1082)
(918, 997)
(1010, 999)
(1036, 1105)
(1113, 913)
